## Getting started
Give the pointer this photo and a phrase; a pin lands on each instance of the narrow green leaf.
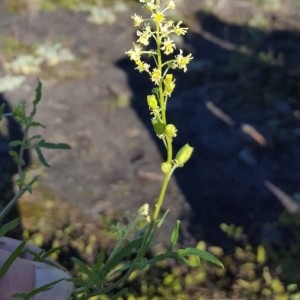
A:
(49, 252)
(99, 260)
(38, 93)
(47, 145)
(175, 234)
(82, 266)
(162, 219)
(9, 226)
(37, 124)
(9, 261)
(123, 252)
(201, 254)
(29, 295)
(15, 143)
(34, 137)
(41, 157)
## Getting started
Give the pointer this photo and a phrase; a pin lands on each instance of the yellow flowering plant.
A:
(159, 29)
(106, 276)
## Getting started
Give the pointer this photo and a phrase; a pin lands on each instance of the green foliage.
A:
(17, 153)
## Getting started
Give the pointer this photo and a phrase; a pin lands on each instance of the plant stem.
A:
(161, 196)
(14, 200)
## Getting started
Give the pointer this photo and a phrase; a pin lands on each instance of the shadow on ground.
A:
(250, 75)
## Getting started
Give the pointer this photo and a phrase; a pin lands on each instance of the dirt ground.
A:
(97, 106)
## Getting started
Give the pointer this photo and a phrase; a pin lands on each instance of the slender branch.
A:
(14, 200)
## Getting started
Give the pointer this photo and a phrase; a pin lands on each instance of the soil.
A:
(97, 106)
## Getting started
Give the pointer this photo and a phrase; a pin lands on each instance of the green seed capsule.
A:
(183, 155)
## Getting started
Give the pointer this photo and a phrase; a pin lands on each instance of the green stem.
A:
(14, 200)
(161, 197)
(161, 97)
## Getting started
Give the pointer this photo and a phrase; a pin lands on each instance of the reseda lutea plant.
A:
(109, 275)
(162, 77)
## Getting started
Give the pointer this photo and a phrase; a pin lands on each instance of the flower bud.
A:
(169, 83)
(183, 155)
(166, 167)
(171, 131)
(152, 102)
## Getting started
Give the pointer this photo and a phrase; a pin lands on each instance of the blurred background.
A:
(238, 105)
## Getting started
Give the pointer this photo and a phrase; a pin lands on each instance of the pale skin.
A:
(25, 274)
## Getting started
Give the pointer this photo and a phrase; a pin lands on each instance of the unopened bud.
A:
(152, 101)
(166, 167)
(171, 131)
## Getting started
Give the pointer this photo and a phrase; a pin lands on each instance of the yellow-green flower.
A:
(138, 20)
(182, 61)
(156, 75)
(144, 212)
(144, 35)
(168, 46)
(171, 5)
(142, 66)
(158, 17)
(180, 30)
(135, 53)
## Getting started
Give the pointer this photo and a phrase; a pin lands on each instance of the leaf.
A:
(37, 124)
(123, 252)
(38, 93)
(29, 295)
(175, 234)
(9, 261)
(18, 112)
(41, 157)
(15, 143)
(99, 261)
(47, 145)
(16, 158)
(37, 99)
(9, 226)
(183, 253)
(82, 266)
(161, 221)
(34, 137)
(159, 127)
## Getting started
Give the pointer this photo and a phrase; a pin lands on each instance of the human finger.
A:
(45, 274)
(20, 277)
(11, 244)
